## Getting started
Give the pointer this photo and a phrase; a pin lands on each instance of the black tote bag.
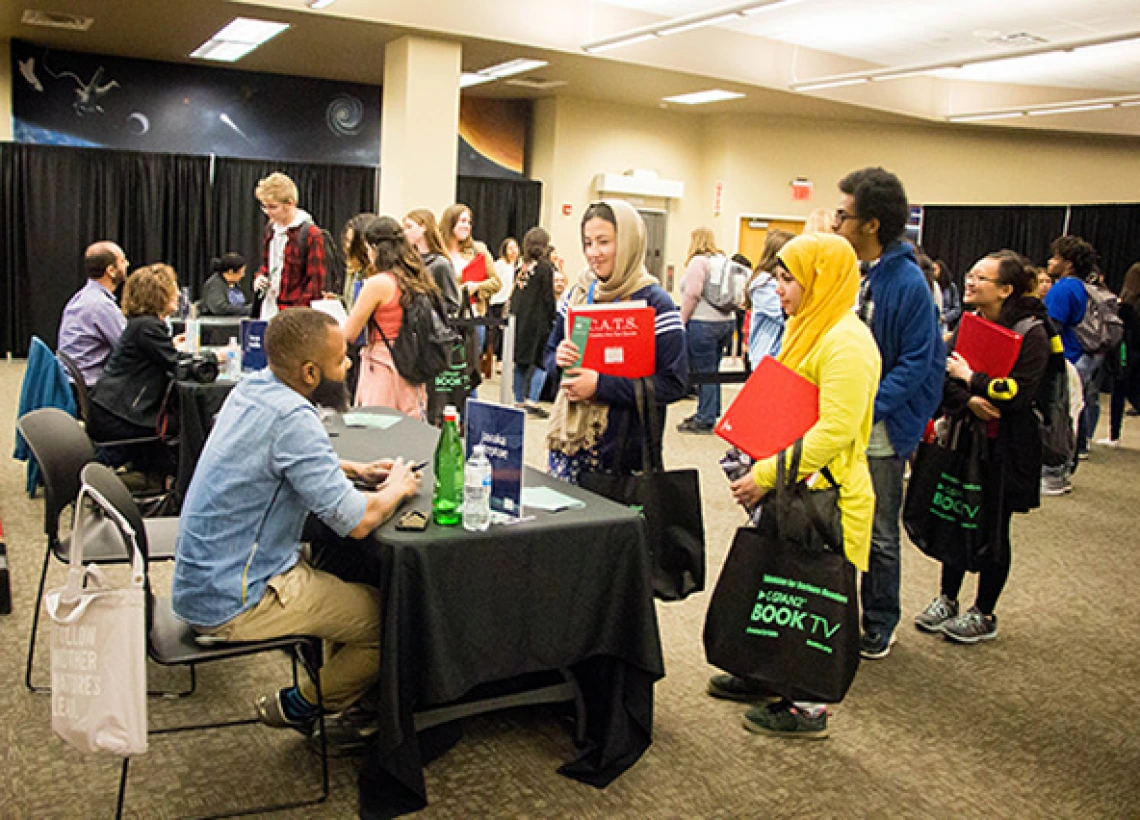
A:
(785, 608)
(461, 376)
(670, 501)
(946, 511)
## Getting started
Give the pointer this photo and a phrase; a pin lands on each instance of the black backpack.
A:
(422, 350)
(1058, 441)
(334, 257)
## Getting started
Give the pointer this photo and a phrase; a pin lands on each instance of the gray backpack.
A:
(726, 283)
(1101, 328)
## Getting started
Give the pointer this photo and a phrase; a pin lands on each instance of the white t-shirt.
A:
(506, 273)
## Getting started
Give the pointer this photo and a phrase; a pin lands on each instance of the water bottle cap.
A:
(478, 450)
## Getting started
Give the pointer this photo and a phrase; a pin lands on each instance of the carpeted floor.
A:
(1039, 723)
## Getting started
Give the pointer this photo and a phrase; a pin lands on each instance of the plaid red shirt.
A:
(302, 280)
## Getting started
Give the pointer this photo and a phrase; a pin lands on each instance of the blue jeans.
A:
(879, 587)
(708, 341)
(1089, 368)
(533, 376)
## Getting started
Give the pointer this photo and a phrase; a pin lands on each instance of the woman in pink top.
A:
(380, 309)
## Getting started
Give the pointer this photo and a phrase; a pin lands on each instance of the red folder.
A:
(775, 407)
(987, 347)
(622, 340)
(476, 269)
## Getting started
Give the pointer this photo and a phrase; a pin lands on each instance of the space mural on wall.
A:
(77, 99)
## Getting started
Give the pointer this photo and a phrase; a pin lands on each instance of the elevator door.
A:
(654, 242)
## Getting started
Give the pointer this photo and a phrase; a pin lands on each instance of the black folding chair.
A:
(171, 642)
(62, 449)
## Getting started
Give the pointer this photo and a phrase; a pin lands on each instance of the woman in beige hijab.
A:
(592, 407)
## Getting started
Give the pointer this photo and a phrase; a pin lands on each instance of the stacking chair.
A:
(171, 642)
(62, 449)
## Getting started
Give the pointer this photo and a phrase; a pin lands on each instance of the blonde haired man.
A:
(293, 259)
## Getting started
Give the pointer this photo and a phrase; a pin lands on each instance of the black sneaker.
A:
(536, 411)
(691, 425)
(785, 719)
(348, 733)
(876, 645)
(743, 690)
(271, 712)
(971, 627)
(935, 616)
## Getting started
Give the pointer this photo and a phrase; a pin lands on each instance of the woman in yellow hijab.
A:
(818, 280)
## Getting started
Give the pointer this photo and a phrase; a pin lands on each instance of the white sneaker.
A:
(1108, 442)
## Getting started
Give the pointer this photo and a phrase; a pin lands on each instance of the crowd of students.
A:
(850, 306)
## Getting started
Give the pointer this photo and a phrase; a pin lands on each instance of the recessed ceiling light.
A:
(702, 97)
(56, 19)
(241, 36)
(317, 5)
(512, 67)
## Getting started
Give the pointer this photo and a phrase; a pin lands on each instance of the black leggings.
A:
(991, 578)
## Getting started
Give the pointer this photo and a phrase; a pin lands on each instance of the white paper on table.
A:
(332, 307)
(546, 498)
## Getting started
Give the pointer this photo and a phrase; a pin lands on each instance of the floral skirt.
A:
(570, 468)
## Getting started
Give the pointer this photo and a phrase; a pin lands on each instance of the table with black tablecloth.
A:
(567, 590)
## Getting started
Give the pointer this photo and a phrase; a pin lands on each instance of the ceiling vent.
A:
(56, 19)
(536, 83)
(1016, 39)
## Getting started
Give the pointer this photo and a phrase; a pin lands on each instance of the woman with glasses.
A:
(1000, 288)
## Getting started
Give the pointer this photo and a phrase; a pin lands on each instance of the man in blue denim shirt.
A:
(239, 574)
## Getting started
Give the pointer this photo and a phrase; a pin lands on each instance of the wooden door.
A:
(754, 230)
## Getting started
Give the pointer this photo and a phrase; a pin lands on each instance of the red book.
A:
(622, 340)
(987, 347)
(775, 407)
(476, 270)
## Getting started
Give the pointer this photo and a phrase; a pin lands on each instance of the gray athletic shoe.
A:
(935, 616)
(785, 719)
(971, 627)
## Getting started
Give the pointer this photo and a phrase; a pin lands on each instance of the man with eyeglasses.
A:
(293, 262)
(897, 305)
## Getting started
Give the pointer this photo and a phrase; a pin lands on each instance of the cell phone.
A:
(418, 466)
(412, 521)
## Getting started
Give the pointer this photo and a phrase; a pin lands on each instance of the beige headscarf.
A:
(575, 426)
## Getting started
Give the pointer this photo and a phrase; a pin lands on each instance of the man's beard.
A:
(331, 394)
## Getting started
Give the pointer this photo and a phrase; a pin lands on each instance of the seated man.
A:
(92, 321)
(239, 574)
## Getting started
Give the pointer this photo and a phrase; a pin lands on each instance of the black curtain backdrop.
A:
(332, 194)
(1114, 230)
(501, 207)
(962, 234)
(55, 201)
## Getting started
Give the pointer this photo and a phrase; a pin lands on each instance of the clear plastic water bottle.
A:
(477, 491)
(233, 360)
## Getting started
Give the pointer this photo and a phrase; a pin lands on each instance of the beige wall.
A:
(757, 157)
(5, 90)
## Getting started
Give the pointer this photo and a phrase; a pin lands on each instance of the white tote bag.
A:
(98, 641)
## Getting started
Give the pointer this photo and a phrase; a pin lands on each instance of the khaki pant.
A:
(306, 601)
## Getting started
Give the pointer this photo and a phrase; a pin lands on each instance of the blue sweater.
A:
(1066, 302)
(670, 381)
(905, 326)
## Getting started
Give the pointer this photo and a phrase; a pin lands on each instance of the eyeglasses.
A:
(842, 216)
(973, 277)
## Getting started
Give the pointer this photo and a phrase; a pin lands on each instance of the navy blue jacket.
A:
(905, 326)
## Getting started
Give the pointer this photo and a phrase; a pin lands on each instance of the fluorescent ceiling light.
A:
(1129, 104)
(597, 48)
(921, 72)
(776, 4)
(695, 24)
(321, 4)
(241, 36)
(831, 84)
(512, 67)
(1071, 109)
(702, 97)
(1004, 115)
(468, 79)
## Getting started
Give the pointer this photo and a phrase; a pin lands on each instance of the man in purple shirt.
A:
(92, 321)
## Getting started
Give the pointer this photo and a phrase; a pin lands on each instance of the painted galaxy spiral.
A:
(345, 115)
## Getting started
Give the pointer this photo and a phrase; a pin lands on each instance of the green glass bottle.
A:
(447, 498)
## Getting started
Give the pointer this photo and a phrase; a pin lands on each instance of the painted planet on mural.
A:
(138, 123)
(345, 115)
